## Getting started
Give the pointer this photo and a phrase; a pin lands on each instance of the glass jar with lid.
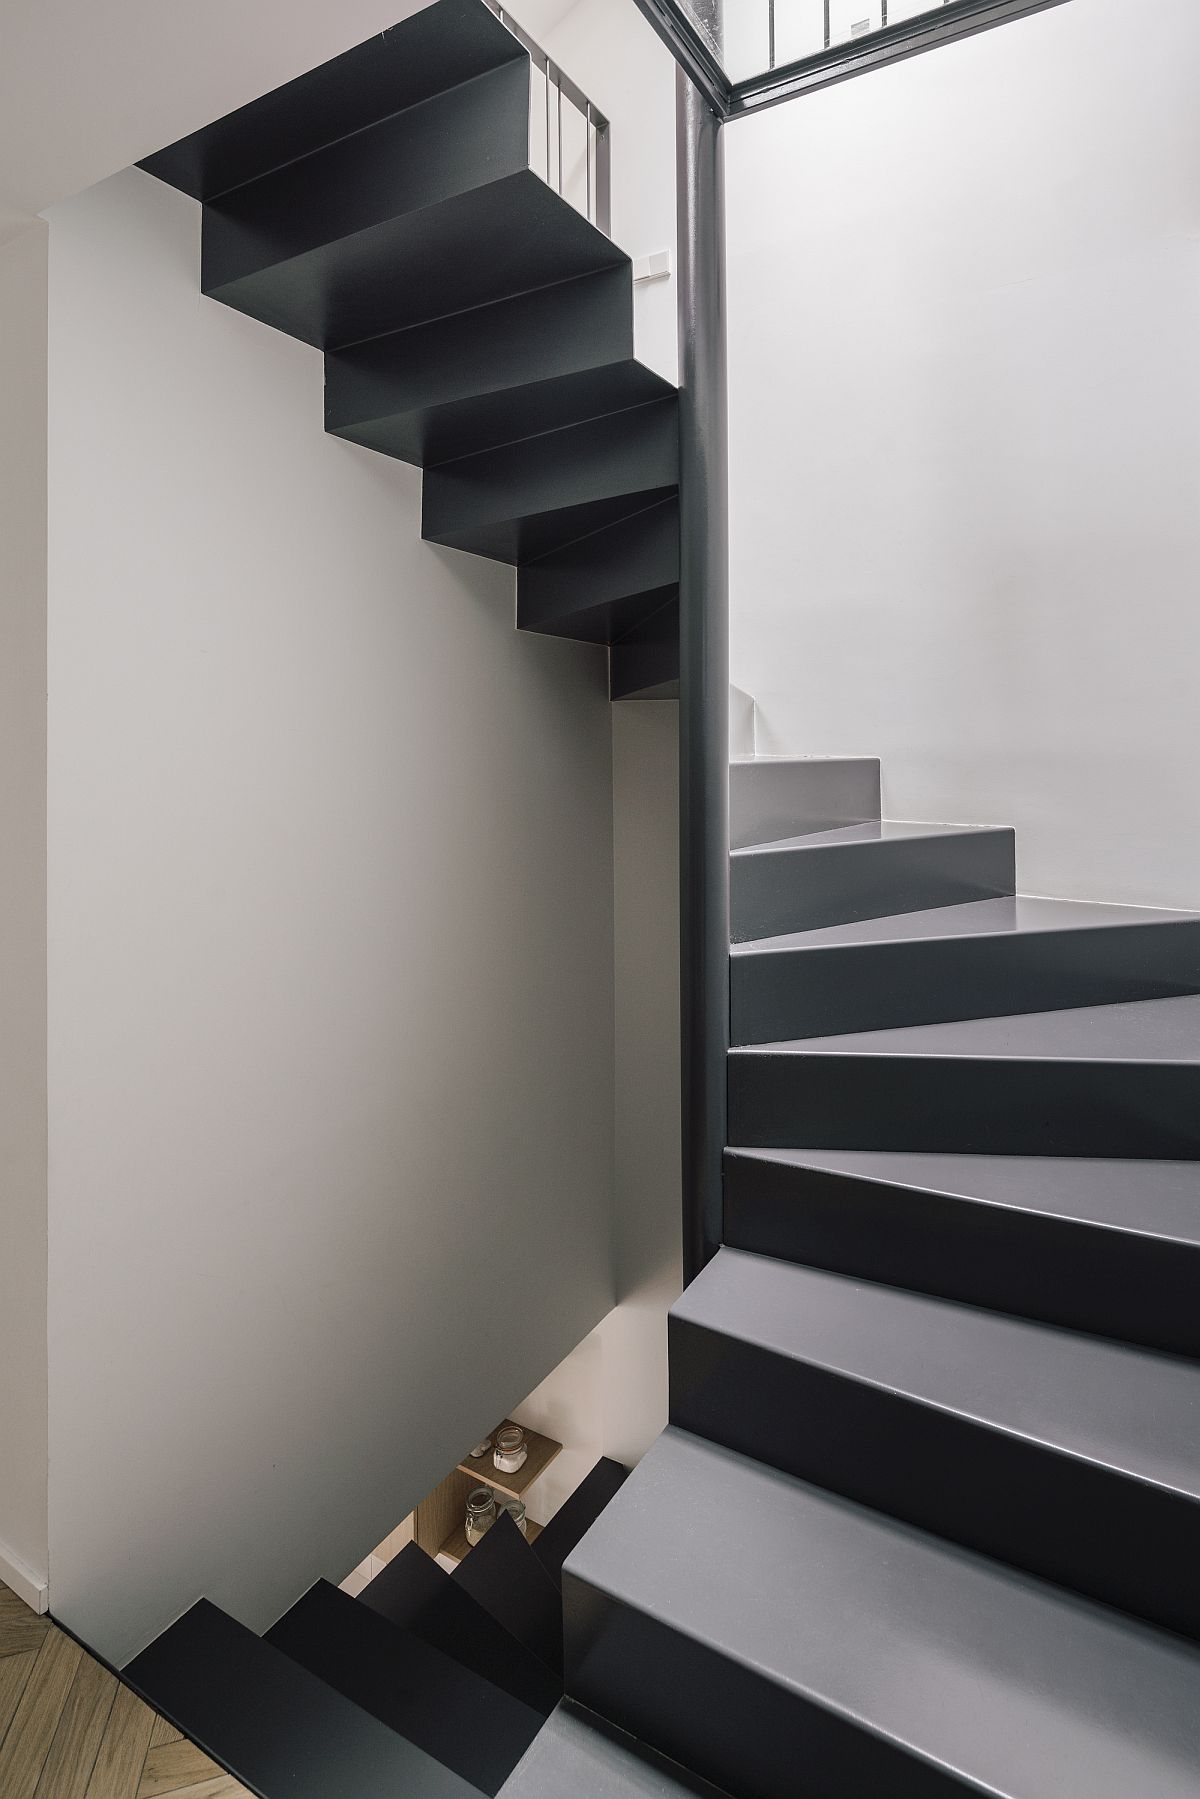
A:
(516, 1511)
(510, 1450)
(481, 1513)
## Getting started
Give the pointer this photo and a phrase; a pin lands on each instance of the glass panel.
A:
(849, 19)
(750, 37)
(799, 29)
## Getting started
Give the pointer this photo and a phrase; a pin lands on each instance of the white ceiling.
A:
(89, 86)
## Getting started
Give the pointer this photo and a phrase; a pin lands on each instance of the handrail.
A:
(597, 173)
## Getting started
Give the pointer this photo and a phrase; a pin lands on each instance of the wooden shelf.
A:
(542, 1451)
(456, 1545)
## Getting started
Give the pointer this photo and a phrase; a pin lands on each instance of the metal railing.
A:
(570, 149)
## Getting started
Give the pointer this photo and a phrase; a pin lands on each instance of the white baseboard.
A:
(23, 1581)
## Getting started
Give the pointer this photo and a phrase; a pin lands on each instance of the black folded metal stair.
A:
(384, 209)
(465, 1721)
(414, 1593)
(927, 1517)
(926, 1520)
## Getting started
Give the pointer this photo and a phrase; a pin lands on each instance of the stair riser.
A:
(602, 574)
(645, 663)
(1112, 1283)
(468, 1724)
(459, 140)
(806, 889)
(472, 249)
(770, 800)
(979, 1105)
(721, 1719)
(787, 994)
(389, 393)
(1119, 1540)
(528, 498)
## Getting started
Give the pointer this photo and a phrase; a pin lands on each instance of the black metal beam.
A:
(909, 38)
(691, 50)
(673, 22)
(703, 669)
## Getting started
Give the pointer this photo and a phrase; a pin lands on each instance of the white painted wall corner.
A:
(27, 1585)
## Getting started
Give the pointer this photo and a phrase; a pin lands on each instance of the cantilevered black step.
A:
(503, 1575)
(604, 584)
(467, 1723)
(533, 363)
(1109, 1247)
(991, 957)
(839, 1652)
(865, 871)
(577, 1515)
(283, 1732)
(576, 1755)
(415, 1594)
(781, 796)
(436, 49)
(1076, 1458)
(644, 662)
(525, 499)
(1102, 1081)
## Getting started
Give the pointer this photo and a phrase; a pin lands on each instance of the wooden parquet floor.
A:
(70, 1730)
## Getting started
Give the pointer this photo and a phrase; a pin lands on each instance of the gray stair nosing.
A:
(788, 846)
(771, 946)
(997, 1206)
(801, 1047)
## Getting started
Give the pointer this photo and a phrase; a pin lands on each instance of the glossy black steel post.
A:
(703, 670)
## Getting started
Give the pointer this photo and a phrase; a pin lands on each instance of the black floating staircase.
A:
(384, 209)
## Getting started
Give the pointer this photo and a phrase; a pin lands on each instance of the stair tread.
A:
(1131, 1410)
(1009, 915)
(275, 1725)
(1152, 1030)
(1012, 1683)
(415, 1594)
(574, 1754)
(871, 830)
(465, 1721)
(1151, 1198)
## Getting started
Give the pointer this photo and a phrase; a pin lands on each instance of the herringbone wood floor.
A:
(70, 1730)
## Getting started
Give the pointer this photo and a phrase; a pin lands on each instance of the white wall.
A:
(23, 911)
(965, 449)
(330, 936)
(607, 47)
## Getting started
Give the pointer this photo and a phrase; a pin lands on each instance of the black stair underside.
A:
(467, 1723)
(840, 1652)
(284, 1733)
(436, 49)
(384, 209)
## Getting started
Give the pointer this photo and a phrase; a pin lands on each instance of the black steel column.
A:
(703, 669)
